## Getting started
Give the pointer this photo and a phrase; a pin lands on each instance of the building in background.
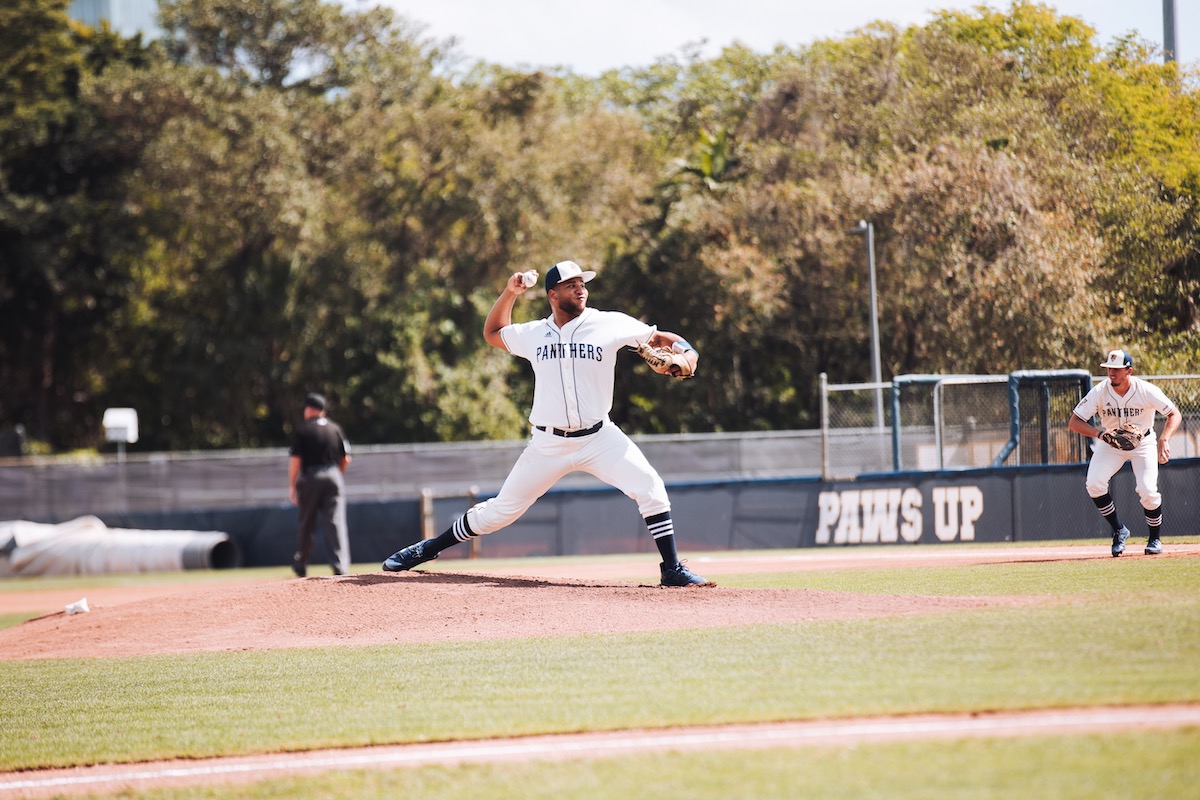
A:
(126, 17)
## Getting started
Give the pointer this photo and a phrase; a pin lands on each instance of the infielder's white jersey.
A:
(573, 366)
(1137, 406)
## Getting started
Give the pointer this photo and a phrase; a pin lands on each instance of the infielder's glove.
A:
(666, 361)
(1126, 437)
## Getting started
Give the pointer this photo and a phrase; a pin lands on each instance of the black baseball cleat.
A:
(1153, 546)
(679, 575)
(1118, 545)
(408, 558)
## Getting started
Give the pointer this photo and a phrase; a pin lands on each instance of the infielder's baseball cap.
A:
(314, 400)
(1118, 359)
(565, 271)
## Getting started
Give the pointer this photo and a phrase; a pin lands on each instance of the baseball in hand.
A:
(529, 278)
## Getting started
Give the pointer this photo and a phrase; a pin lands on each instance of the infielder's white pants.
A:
(608, 454)
(1106, 460)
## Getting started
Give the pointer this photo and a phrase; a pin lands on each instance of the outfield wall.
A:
(985, 505)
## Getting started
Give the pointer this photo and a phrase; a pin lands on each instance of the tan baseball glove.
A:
(1126, 437)
(666, 361)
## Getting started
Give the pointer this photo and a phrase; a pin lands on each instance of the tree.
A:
(265, 43)
(60, 215)
(953, 145)
(227, 217)
(303, 196)
(463, 186)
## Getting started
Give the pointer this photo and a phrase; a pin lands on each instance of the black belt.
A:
(572, 434)
(320, 468)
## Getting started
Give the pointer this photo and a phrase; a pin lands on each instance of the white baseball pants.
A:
(608, 454)
(1107, 460)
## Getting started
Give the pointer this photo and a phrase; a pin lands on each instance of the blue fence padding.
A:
(987, 505)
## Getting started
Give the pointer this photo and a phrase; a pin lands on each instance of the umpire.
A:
(318, 456)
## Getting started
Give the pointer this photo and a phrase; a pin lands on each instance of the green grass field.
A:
(1103, 632)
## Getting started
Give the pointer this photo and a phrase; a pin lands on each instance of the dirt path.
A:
(816, 733)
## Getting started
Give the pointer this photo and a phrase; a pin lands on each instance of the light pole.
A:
(867, 229)
(1170, 42)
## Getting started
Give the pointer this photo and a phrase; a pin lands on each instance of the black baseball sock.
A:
(460, 531)
(441, 542)
(1108, 510)
(663, 530)
(1154, 521)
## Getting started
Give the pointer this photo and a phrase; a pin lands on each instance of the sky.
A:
(594, 36)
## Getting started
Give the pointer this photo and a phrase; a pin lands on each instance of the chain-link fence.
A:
(1046, 404)
(969, 422)
(935, 422)
(1184, 391)
(54, 489)
(856, 428)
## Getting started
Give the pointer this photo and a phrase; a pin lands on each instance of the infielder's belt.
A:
(572, 434)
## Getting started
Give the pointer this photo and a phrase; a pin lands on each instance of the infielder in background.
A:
(574, 355)
(318, 456)
(1125, 406)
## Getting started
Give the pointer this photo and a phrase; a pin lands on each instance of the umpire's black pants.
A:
(320, 495)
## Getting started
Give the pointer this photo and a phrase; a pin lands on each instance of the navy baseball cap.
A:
(565, 271)
(314, 400)
(1118, 359)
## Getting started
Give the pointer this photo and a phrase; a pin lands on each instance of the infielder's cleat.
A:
(408, 558)
(1154, 546)
(679, 575)
(1119, 538)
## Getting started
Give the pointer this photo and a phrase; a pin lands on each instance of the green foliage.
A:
(40, 66)
(268, 42)
(290, 195)
(1151, 211)
(61, 218)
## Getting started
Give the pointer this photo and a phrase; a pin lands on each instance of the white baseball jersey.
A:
(1137, 406)
(573, 366)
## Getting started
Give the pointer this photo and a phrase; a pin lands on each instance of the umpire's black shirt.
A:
(319, 443)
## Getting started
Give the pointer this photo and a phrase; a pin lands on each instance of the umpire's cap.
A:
(314, 400)
(1118, 359)
(565, 271)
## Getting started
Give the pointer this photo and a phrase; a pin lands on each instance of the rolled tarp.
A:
(86, 546)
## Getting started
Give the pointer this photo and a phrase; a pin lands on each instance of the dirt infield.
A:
(383, 609)
(558, 598)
